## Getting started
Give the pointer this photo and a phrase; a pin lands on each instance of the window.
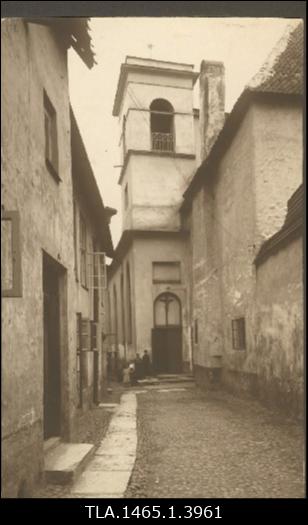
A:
(167, 272)
(129, 304)
(167, 310)
(122, 310)
(196, 332)
(162, 131)
(85, 339)
(115, 312)
(75, 240)
(78, 363)
(238, 334)
(83, 252)
(124, 136)
(11, 281)
(51, 138)
(126, 197)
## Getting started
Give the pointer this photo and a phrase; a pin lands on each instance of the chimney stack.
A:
(212, 103)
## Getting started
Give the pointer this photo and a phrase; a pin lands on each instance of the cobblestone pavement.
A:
(207, 445)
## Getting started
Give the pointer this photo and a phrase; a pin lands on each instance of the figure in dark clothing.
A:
(109, 366)
(138, 367)
(146, 364)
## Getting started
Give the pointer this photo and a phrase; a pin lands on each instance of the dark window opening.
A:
(238, 334)
(93, 330)
(78, 361)
(83, 252)
(51, 138)
(75, 240)
(196, 332)
(123, 310)
(115, 312)
(162, 129)
(129, 301)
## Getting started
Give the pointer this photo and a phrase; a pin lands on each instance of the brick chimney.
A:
(212, 103)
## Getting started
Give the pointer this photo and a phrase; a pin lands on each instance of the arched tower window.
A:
(167, 310)
(162, 126)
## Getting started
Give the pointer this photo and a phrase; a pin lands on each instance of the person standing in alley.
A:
(146, 364)
(138, 367)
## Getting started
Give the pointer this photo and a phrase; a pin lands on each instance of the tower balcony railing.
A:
(162, 141)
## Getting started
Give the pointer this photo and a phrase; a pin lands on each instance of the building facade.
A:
(236, 200)
(148, 278)
(40, 295)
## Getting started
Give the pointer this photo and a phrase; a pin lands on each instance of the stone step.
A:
(51, 443)
(175, 378)
(66, 461)
(166, 378)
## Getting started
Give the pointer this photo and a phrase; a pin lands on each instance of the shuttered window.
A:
(11, 276)
(83, 251)
(51, 138)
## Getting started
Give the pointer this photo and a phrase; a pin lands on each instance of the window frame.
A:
(165, 136)
(173, 297)
(83, 252)
(196, 332)
(16, 289)
(51, 138)
(129, 305)
(170, 264)
(238, 327)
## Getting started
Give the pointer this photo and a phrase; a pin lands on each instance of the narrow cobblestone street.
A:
(210, 445)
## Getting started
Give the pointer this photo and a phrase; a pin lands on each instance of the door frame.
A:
(168, 329)
(61, 273)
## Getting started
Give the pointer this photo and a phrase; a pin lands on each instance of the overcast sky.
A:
(242, 44)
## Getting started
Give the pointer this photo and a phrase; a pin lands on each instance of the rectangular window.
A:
(166, 272)
(83, 251)
(75, 240)
(85, 335)
(51, 138)
(196, 331)
(85, 348)
(78, 363)
(11, 281)
(238, 334)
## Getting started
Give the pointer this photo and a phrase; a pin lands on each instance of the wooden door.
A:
(167, 349)
(167, 334)
(52, 394)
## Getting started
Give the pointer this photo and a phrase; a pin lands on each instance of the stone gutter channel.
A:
(109, 471)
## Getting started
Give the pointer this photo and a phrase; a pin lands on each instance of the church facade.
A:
(148, 297)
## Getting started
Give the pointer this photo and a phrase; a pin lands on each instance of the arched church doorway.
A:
(167, 334)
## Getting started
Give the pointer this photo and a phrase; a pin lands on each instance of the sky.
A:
(243, 44)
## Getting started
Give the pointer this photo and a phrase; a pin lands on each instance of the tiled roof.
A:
(291, 228)
(75, 31)
(283, 71)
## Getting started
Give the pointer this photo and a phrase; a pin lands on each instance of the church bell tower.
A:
(154, 106)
